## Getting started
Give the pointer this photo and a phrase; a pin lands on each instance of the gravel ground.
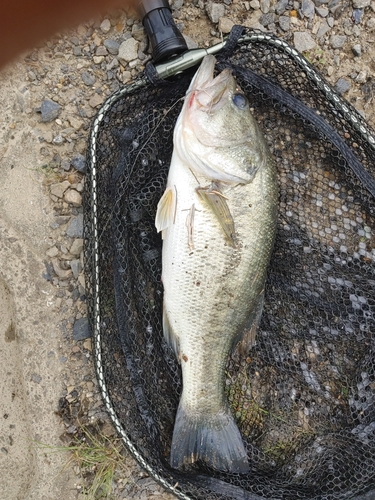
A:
(52, 95)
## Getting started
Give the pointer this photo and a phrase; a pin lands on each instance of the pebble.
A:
(323, 29)
(308, 9)
(112, 46)
(75, 122)
(53, 251)
(138, 32)
(50, 110)
(357, 49)
(96, 100)
(322, 11)
(215, 11)
(75, 228)
(225, 25)
(59, 189)
(105, 25)
(81, 330)
(267, 19)
(88, 78)
(101, 51)
(284, 23)
(76, 248)
(128, 51)
(281, 6)
(76, 267)
(72, 197)
(303, 41)
(361, 4)
(79, 163)
(265, 6)
(342, 86)
(62, 273)
(337, 41)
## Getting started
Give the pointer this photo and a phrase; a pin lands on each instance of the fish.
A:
(217, 218)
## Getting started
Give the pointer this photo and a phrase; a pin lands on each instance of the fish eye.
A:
(240, 101)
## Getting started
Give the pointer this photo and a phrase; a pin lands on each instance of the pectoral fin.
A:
(218, 204)
(166, 211)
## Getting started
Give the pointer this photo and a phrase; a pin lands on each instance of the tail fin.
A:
(215, 439)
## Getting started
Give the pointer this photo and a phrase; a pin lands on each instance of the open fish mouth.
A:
(209, 92)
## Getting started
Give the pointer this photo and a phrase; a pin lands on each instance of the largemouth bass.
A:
(218, 219)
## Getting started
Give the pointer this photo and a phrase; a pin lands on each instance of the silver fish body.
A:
(218, 219)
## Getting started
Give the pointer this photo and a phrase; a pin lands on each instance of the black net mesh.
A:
(304, 396)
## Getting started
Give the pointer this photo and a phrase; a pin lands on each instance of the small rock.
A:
(65, 164)
(72, 197)
(330, 21)
(128, 51)
(58, 140)
(76, 267)
(77, 51)
(342, 86)
(50, 110)
(88, 78)
(225, 25)
(81, 330)
(112, 46)
(88, 345)
(52, 252)
(303, 41)
(361, 4)
(105, 25)
(371, 23)
(96, 100)
(48, 137)
(267, 19)
(308, 9)
(138, 32)
(265, 6)
(177, 4)
(79, 163)
(322, 11)
(76, 248)
(281, 6)
(76, 123)
(75, 228)
(98, 59)
(357, 15)
(357, 49)
(101, 51)
(215, 11)
(361, 77)
(337, 41)
(323, 29)
(191, 44)
(59, 189)
(254, 4)
(284, 23)
(63, 274)
(36, 378)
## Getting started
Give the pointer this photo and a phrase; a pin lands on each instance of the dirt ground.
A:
(42, 362)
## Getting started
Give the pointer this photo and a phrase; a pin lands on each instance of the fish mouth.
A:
(207, 92)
